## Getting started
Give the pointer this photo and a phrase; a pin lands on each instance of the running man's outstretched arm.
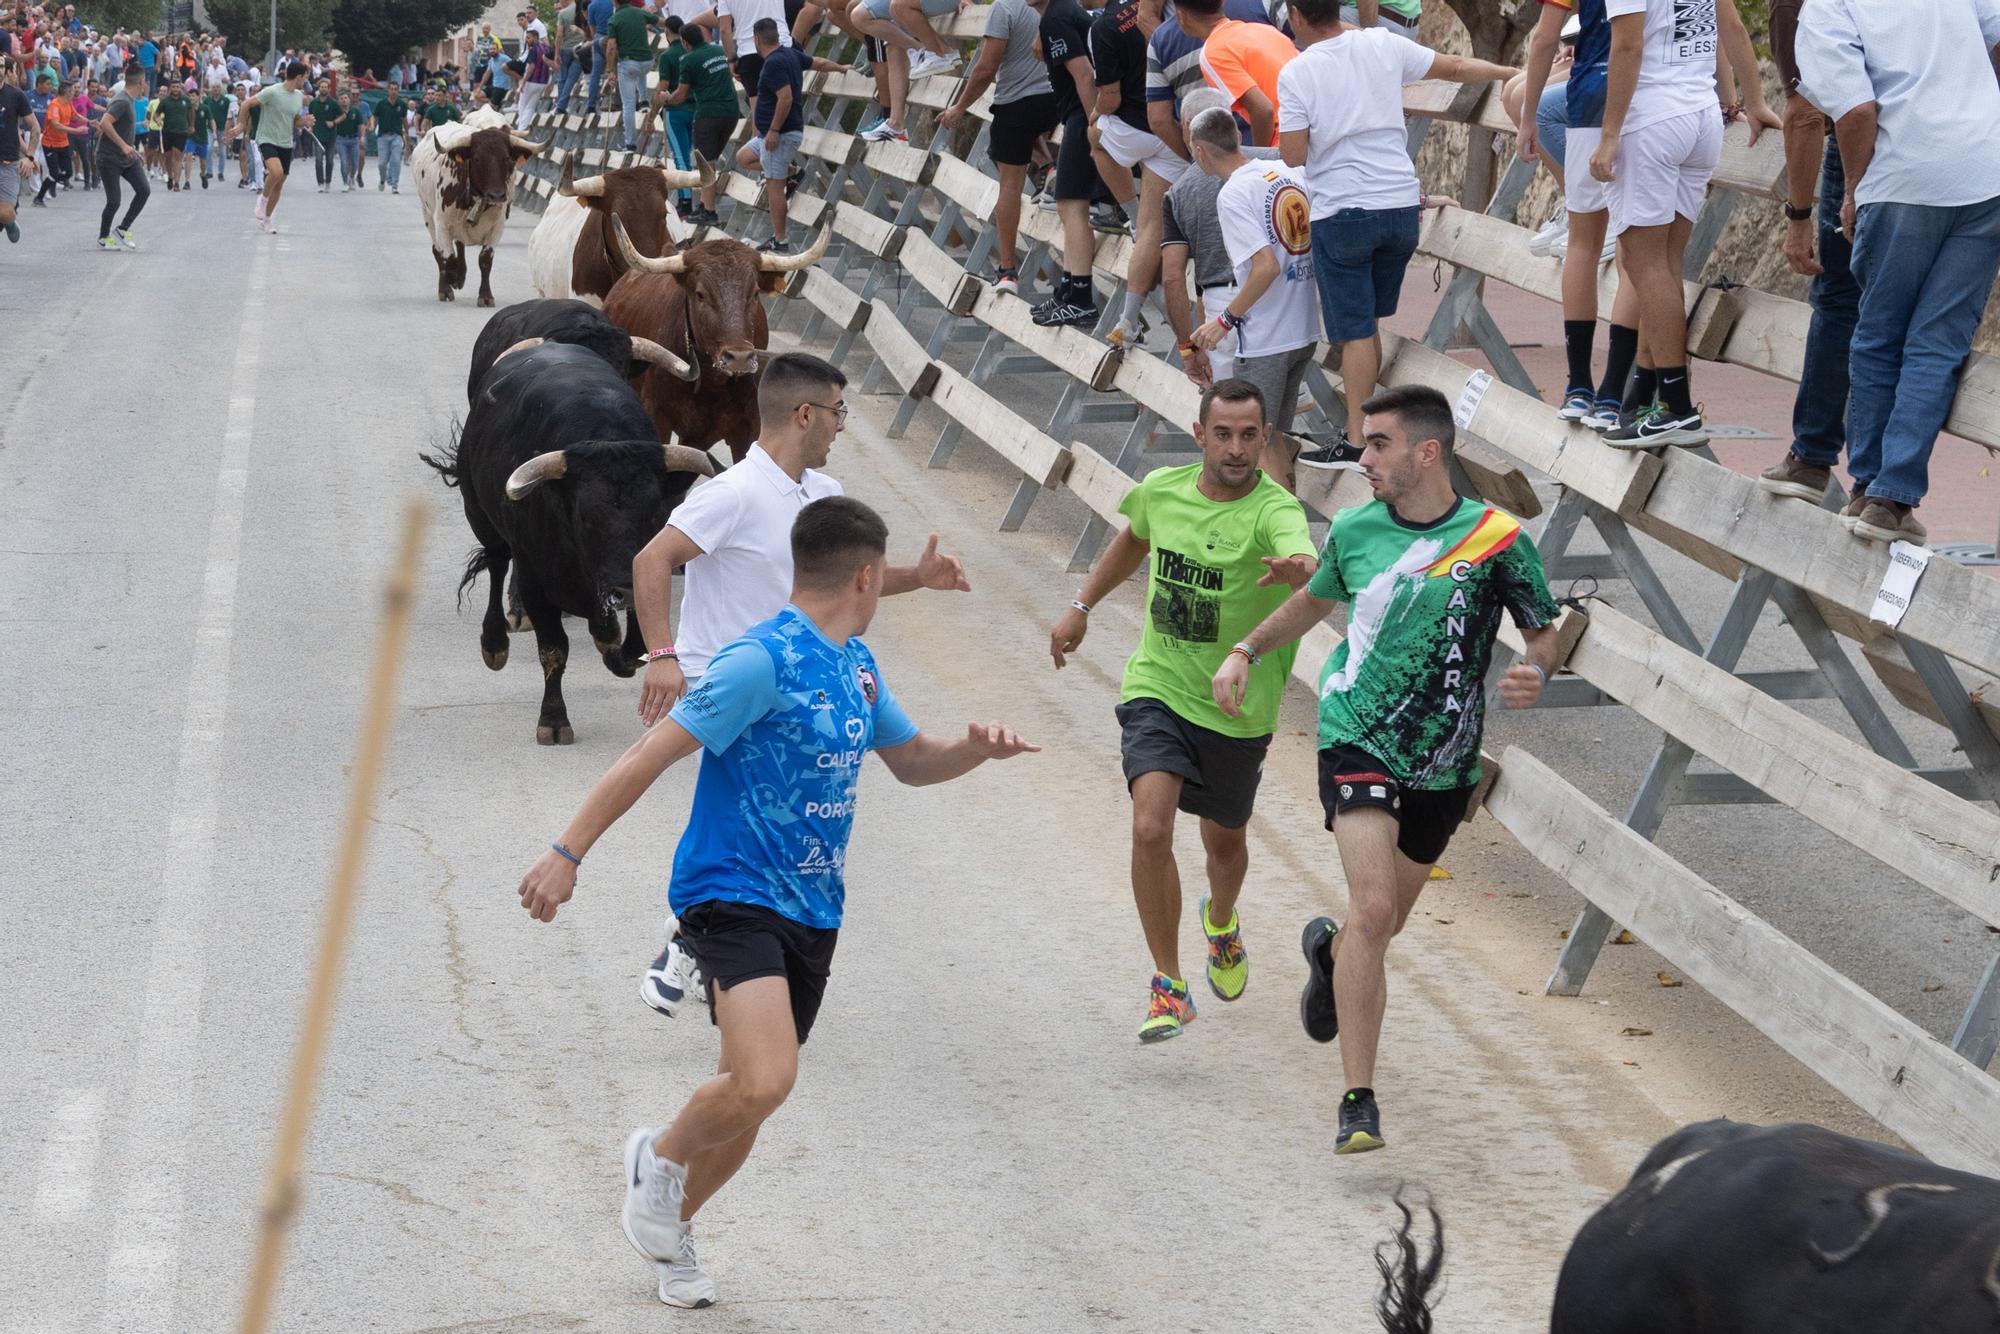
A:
(932, 570)
(1118, 563)
(924, 759)
(552, 879)
(1287, 625)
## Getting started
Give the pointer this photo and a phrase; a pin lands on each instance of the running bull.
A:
(463, 177)
(1736, 1229)
(571, 253)
(562, 475)
(566, 322)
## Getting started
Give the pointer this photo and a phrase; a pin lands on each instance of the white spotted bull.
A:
(463, 178)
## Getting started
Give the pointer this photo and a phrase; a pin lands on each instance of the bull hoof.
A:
(485, 300)
(446, 295)
(545, 735)
(518, 623)
(495, 658)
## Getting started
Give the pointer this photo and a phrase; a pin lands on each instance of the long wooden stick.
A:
(281, 1184)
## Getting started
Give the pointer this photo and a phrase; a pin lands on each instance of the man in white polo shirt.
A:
(733, 534)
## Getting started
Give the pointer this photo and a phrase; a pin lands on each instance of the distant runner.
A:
(278, 109)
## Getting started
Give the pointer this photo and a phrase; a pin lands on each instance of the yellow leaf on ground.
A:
(1668, 980)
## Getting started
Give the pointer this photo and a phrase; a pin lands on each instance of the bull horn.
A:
(703, 175)
(521, 346)
(686, 458)
(650, 352)
(527, 145)
(641, 263)
(803, 260)
(590, 189)
(541, 468)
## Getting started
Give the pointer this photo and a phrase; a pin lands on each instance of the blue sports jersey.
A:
(1591, 60)
(784, 716)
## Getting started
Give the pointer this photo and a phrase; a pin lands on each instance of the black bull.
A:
(562, 474)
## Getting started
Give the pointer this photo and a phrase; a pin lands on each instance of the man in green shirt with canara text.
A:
(1426, 574)
(1222, 542)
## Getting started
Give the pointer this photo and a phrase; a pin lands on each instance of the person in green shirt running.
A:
(438, 109)
(176, 119)
(1426, 575)
(1222, 542)
(392, 126)
(276, 113)
(325, 110)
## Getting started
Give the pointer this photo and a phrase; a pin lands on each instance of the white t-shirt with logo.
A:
(742, 521)
(1346, 93)
(1264, 205)
(1677, 62)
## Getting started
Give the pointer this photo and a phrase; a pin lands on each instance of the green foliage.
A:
(247, 24)
(374, 34)
(122, 15)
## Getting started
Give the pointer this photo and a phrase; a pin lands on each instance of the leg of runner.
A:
(1156, 889)
(1228, 862)
(1382, 887)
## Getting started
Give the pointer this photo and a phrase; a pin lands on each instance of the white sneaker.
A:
(924, 64)
(654, 1192)
(672, 978)
(883, 132)
(1544, 241)
(683, 1282)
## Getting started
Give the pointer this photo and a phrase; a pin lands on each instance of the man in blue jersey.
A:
(783, 716)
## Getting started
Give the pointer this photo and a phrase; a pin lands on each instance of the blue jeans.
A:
(350, 159)
(1925, 271)
(567, 73)
(680, 139)
(1552, 119)
(1358, 256)
(1819, 416)
(631, 92)
(389, 151)
(596, 81)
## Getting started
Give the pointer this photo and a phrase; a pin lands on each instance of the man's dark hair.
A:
(1236, 389)
(764, 30)
(792, 379)
(1422, 411)
(1210, 8)
(295, 70)
(1319, 13)
(831, 539)
(674, 23)
(692, 34)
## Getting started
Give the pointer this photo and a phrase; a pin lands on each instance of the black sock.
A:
(1078, 286)
(1356, 1095)
(1641, 392)
(1618, 364)
(1674, 391)
(1578, 335)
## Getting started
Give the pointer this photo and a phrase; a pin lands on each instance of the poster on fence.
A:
(1899, 582)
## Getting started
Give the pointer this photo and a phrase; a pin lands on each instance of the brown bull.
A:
(572, 254)
(702, 305)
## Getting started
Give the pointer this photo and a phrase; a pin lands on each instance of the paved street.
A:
(201, 477)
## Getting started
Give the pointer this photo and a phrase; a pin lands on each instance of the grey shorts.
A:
(1220, 773)
(10, 183)
(1278, 377)
(777, 162)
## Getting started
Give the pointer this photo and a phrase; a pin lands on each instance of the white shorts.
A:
(1130, 148)
(1221, 357)
(1586, 194)
(1663, 170)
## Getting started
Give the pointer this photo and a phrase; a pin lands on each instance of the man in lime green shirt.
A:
(1223, 544)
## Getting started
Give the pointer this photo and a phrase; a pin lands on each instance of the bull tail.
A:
(1408, 1276)
(477, 562)
(445, 461)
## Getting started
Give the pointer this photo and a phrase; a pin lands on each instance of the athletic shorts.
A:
(933, 9)
(777, 162)
(1278, 376)
(738, 942)
(1220, 772)
(1584, 193)
(10, 183)
(1359, 255)
(272, 153)
(1076, 173)
(150, 139)
(1016, 127)
(173, 142)
(748, 66)
(1425, 820)
(711, 135)
(1139, 148)
(1663, 170)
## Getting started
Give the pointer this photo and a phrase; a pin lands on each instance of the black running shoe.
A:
(776, 247)
(1065, 310)
(1360, 1123)
(1316, 1010)
(1342, 453)
(793, 181)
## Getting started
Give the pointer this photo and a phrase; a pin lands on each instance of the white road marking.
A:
(144, 1260)
(69, 1153)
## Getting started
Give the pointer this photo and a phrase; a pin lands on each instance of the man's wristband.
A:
(1080, 605)
(1250, 653)
(665, 651)
(565, 854)
(1229, 320)
(1537, 668)
(1798, 214)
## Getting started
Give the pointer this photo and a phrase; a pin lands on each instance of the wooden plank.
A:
(840, 304)
(1065, 349)
(1097, 483)
(898, 161)
(900, 351)
(1004, 431)
(1330, 490)
(939, 274)
(878, 236)
(830, 146)
(1893, 669)
(1893, 1070)
(1158, 387)
(968, 187)
(1498, 480)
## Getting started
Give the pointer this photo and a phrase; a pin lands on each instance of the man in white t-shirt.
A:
(1267, 230)
(733, 534)
(1661, 140)
(1340, 118)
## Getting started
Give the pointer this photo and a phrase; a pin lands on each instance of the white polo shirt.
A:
(742, 521)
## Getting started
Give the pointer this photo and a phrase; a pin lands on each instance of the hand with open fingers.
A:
(1067, 636)
(949, 118)
(941, 572)
(661, 689)
(1440, 201)
(1602, 160)
(548, 885)
(1232, 678)
(1521, 686)
(1294, 571)
(997, 741)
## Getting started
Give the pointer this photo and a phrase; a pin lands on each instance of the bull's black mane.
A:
(1407, 1276)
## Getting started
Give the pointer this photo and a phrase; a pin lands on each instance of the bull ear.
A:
(770, 284)
(457, 155)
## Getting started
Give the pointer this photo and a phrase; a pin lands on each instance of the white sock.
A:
(1133, 302)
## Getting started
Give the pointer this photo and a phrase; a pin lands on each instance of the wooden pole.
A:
(281, 1184)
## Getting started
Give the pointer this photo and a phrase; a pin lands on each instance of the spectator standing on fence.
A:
(1266, 220)
(17, 128)
(1402, 700)
(572, 47)
(494, 81)
(1191, 229)
(121, 160)
(706, 88)
(1066, 49)
(1537, 101)
(900, 60)
(1340, 118)
(537, 69)
(736, 20)
(779, 124)
(1223, 544)
(1243, 60)
(392, 127)
(1657, 149)
(1024, 109)
(629, 47)
(1125, 143)
(597, 17)
(1912, 97)
(678, 129)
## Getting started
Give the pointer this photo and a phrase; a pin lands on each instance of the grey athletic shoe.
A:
(683, 1282)
(654, 1192)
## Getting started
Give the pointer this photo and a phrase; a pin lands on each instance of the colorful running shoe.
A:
(1360, 1123)
(1170, 1010)
(1228, 965)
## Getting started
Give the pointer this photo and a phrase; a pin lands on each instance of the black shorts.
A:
(748, 66)
(711, 135)
(1076, 171)
(272, 153)
(1016, 126)
(1425, 819)
(150, 139)
(175, 143)
(736, 942)
(1220, 772)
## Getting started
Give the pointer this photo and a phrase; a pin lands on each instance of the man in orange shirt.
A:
(1243, 60)
(61, 118)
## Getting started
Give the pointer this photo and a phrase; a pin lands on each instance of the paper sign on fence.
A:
(1468, 398)
(1899, 582)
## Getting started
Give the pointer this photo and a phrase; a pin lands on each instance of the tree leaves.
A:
(375, 34)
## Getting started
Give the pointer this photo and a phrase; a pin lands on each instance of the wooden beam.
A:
(1893, 1070)
(1004, 431)
(1098, 484)
(1893, 669)
(1065, 349)
(939, 274)
(900, 351)
(840, 303)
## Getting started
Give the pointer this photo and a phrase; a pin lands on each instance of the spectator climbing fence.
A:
(903, 287)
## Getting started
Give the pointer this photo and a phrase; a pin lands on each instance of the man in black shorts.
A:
(1066, 48)
(1024, 109)
(1427, 574)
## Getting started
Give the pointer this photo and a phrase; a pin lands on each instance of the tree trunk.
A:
(1498, 28)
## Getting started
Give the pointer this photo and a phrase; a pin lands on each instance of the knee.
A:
(762, 1091)
(1372, 919)
(1153, 831)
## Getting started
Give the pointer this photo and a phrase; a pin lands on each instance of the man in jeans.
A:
(392, 119)
(572, 34)
(596, 17)
(1912, 97)
(629, 47)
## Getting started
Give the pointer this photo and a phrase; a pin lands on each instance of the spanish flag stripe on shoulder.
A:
(1493, 534)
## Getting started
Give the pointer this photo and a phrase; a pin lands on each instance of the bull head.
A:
(476, 174)
(552, 466)
(702, 176)
(677, 263)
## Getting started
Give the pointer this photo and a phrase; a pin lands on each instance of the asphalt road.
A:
(201, 477)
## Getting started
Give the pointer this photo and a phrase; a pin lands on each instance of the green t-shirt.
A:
(174, 114)
(324, 111)
(668, 66)
(1202, 594)
(214, 117)
(279, 108)
(390, 117)
(440, 113)
(1408, 684)
(353, 122)
(1411, 10)
(711, 83)
(629, 26)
